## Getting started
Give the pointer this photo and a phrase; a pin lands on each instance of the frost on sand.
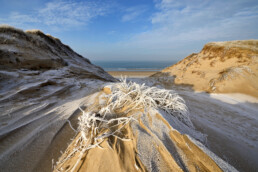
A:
(115, 108)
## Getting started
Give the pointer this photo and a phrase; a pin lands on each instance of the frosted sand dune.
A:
(42, 82)
(154, 140)
(52, 102)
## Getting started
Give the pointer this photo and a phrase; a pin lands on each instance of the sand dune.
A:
(42, 82)
(151, 144)
(221, 67)
(59, 112)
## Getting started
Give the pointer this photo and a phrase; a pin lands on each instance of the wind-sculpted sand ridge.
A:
(141, 139)
(221, 67)
(34, 51)
(42, 82)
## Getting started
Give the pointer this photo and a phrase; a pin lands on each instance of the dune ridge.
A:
(220, 67)
(149, 142)
(42, 82)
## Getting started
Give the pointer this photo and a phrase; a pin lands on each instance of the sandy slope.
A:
(154, 145)
(33, 51)
(229, 121)
(231, 128)
(42, 82)
(223, 67)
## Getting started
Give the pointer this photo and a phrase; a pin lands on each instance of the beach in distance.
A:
(134, 69)
(131, 74)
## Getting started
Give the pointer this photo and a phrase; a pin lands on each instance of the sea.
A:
(133, 65)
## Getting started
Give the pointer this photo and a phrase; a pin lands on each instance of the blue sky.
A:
(135, 29)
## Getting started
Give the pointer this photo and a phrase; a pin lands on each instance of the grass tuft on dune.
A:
(114, 108)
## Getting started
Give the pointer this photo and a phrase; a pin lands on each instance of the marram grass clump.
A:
(125, 100)
(130, 96)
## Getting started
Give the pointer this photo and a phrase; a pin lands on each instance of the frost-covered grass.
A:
(92, 131)
(125, 100)
(130, 96)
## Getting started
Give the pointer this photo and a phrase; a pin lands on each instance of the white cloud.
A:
(60, 14)
(71, 13)
(213, 18)
(180, 27)
(15, 16)
(133, 12)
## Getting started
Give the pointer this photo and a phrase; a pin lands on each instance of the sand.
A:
(132, 74)
(114, 155)
(221, 67)
(146, 150)
(38, 99)
(229, 120)
(42, 84)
